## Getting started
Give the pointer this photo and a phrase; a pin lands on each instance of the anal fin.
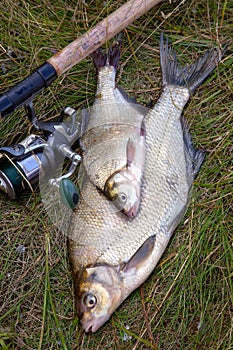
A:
(194, 157)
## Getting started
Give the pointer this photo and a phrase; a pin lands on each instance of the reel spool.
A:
(20, 167)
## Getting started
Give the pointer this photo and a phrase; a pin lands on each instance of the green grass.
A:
(187, 302)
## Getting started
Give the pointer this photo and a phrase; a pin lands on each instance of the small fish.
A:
(113, 139)
(112, 255)
(124, 186)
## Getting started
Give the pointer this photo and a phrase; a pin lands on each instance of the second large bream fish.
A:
(111, 255)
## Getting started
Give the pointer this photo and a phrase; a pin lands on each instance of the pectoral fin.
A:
(131, 152)
(140, 257)
(135, 152)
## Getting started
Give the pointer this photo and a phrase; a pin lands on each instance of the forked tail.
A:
(102, 59)
(191, 75)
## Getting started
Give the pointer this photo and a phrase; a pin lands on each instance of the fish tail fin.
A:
(102, 59)
(191, 75)
(114, 53)
(99, 58)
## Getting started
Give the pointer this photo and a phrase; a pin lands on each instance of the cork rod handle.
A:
(98, 35)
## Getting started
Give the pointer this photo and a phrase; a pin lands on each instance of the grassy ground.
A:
(187, 301)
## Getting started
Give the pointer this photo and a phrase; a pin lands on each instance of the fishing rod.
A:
(23, 163)
(42, 77)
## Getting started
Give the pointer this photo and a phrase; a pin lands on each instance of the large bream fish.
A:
(111, 254)
(113, 139)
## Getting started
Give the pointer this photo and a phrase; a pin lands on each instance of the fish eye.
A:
(89, 300)
(122, 197)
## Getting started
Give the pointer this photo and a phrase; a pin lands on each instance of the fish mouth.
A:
(132, 212)
(94, 324)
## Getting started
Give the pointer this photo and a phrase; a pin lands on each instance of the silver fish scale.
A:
(110, 106)
(100, 235)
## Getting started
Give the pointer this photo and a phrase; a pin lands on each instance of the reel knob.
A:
(69, 193)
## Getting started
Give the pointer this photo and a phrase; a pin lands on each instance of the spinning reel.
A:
(36, 158)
